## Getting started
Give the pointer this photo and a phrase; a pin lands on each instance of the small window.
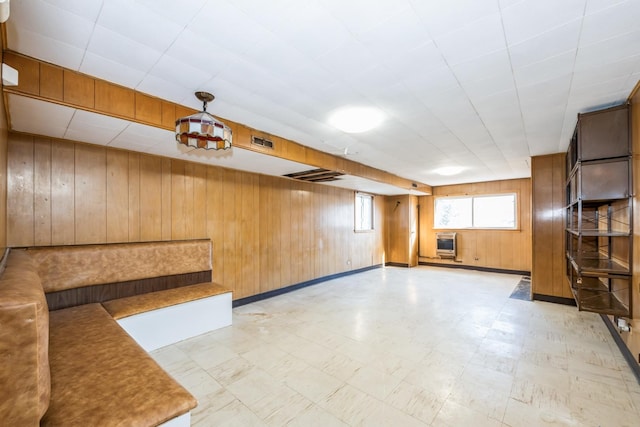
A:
(486, 211)
(363, 212)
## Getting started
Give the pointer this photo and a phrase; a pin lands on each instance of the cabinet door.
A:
(604, 134)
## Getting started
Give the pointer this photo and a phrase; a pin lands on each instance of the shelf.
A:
(599, 301)
(598, 233)
(597, 266)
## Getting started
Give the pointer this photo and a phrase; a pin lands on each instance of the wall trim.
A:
(396, 264)
(478, 268)
(631, 361)
(265, 295)
(554, 299)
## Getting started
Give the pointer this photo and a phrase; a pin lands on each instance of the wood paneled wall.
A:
(401, 244)
(500, 249)
(3, 172)
(548, 176)
(267, 232)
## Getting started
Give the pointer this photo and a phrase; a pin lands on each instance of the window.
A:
(487, 211)
(363, 212)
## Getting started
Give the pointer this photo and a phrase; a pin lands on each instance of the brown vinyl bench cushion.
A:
(124, 307)
(67, 267)
(97, 371)
(24, 343)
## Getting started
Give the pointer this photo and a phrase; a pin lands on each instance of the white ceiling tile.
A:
(545, 70)
(444, 17)
(118, 48)
(38, 117)
(360, 16)
(609, 71)
(282, 66)
(165, 89)
(594, 6)
(476, 39)
(140, 23)
(88, 9)
(52, 22)
(608, 51)
(101, 67)
(178, 12)
(94, 128)
(549, 44)
(142, 136)
(611, 22)
(531, 18)
(200, 52)
(179, 73)
(236, 32)
(398, 32)
(44, 48)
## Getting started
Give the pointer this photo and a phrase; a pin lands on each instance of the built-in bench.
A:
(76, 365)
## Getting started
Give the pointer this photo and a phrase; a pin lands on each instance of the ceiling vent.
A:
(316, 175)
(262, 142)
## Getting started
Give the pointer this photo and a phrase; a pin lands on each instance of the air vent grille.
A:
(262, 142)
(316, 175)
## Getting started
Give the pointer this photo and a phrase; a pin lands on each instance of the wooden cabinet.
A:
(598, 233)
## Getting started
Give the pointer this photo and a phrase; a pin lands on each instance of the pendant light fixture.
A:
(202, 130)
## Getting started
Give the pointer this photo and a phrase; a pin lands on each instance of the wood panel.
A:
(20, 217)
(51, 82)
(115, 100)
(78, 89)
(266, 232)
(499, 249)
(62, 193)
(117, 196)
(548, 263)
(90, 194)
(398, 229)
(42, 190)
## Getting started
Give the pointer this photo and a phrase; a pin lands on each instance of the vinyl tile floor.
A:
(425, 346)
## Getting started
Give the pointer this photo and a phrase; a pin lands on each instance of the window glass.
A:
(486, 211)
(363, 212)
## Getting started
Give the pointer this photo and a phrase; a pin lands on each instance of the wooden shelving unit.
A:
(599, 216)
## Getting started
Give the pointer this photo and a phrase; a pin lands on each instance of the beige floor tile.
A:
(235, 414)
(519, 414)
(420, 346)
(374, 382)
(415, 401)
(350, 405)
(453, 414)
(315, 416)
(312, 383)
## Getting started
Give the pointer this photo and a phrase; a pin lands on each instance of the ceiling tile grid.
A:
(482, 84)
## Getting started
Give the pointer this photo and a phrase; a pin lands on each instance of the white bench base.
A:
(183, 420)
(169, 325)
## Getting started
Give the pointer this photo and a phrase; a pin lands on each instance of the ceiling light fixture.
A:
(356, 119)
(202, 130)
(449, 170)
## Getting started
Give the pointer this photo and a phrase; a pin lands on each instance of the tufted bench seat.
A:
(101, 377)
(67, 360)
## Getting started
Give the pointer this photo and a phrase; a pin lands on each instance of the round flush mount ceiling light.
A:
(449, 170)
(356, 119)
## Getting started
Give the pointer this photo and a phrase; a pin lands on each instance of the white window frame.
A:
(363, 210)
(472, 198)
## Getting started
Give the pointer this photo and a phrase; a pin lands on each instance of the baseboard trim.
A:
(270, 294)
(396, 264)
(555, 300)
(626, 353)
(477, 268)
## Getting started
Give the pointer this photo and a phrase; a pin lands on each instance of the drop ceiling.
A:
(478, 84)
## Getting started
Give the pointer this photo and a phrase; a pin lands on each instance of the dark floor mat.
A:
(522, 290)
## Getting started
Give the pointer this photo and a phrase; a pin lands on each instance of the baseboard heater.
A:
(446, 245)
